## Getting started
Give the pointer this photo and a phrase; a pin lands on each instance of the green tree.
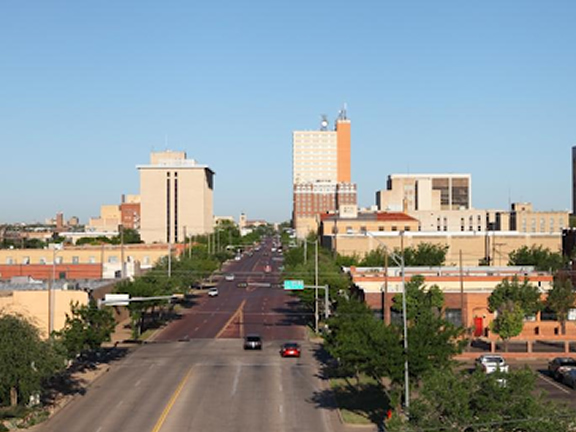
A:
(541, 258)
(364, 345)
(374, 258)
(561, 299)
(509, 322)
(424, 255)
(432, 340)
(526, 295)
(86, 328)
(26, 360)
(459, 401)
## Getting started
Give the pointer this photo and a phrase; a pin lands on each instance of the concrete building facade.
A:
(176, 197)
(412, 192)
(321, 173)
(493, 246)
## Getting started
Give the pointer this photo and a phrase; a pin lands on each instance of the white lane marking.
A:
(99, 429)
(196, 329)
(137, 383)
(280, 387)
(236, 379)
(205, 321)
(121, 402)
(280, 409)
(549, 381)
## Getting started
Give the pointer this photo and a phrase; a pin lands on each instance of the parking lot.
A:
(554, 390)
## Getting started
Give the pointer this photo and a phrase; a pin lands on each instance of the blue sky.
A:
(88, 89)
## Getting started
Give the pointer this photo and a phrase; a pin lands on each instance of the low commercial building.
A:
(493, 247)
(466, 291)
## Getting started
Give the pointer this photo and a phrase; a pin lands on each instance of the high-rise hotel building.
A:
(321, 173)
(176, 198)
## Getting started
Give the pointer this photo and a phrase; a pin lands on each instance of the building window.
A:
(9, 260)
(42, 260)
(380, 228)
(146, 260)
(454, 316)
(406, 228)
(363, 229)
(112, 259)
(92, 259)
(75, 260)
(572, 315)
(394, 228)
(59, 260)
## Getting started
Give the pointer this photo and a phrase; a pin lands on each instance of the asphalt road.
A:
(202, 385)
(262, 306)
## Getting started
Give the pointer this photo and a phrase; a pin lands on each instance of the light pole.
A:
(55, 248)
(399, 260)
(316, 313)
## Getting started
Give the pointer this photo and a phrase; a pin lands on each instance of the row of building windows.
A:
(112, 259)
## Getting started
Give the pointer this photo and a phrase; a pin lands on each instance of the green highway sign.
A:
(293, 284)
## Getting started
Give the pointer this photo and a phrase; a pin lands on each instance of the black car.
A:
(558, 362)
(253, 341)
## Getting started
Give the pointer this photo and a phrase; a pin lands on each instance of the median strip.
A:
(234, 315)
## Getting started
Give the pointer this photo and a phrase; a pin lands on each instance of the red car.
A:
(290, 349)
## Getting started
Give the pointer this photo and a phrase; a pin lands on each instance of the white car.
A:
(491, 363)
(229, 277)
(213, 292)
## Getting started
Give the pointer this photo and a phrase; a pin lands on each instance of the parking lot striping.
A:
(555, 384)
(239, 310)
(171, 402)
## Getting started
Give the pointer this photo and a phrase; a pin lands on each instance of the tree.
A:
(26, 360)
(526, 295)
(541, 258)
(459, 401)
(509, 322)
(432, 340)
(363, 344)
(561, 299)
(424, 255)
(86, 328)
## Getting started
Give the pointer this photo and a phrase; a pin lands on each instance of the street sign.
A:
(116, 299)
(293, 284)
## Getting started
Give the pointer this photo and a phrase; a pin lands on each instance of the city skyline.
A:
(89, 90)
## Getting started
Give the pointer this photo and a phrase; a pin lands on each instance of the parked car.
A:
(253, 341)
(290, 349)
(568, 375)
(490, 363)
(559, 362)
(213, 292)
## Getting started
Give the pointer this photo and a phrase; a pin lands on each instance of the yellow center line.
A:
(231, 319)
(171, 402)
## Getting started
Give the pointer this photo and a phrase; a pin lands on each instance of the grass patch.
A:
(146, 334)
(362, 403)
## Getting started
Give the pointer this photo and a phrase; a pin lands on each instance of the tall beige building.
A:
(321, 176)
(176, 198)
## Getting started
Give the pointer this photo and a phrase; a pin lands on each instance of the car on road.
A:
(238, 257)
(490, 363)
(253, 341)
(267, 269)
(290, 349)
(229, 277)
(213, 292)
(559, 362)
(241, 284)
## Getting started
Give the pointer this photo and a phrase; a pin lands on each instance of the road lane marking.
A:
(549, 381)
(99, 429)
(236, 379)
(171, 402)
(239, 310)
(280, 409)
(137, 383)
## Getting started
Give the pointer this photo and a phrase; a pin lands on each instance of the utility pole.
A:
(316, 286)
(385, 292)
(404, 313)
(169, 259)
(305, 250)
(122, 268)
(462, 291)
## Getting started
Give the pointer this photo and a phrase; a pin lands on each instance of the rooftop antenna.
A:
(324, 123)
(342, 113)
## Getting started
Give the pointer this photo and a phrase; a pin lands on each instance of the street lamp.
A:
(399, 260)
(55, 248)
(316, 313)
